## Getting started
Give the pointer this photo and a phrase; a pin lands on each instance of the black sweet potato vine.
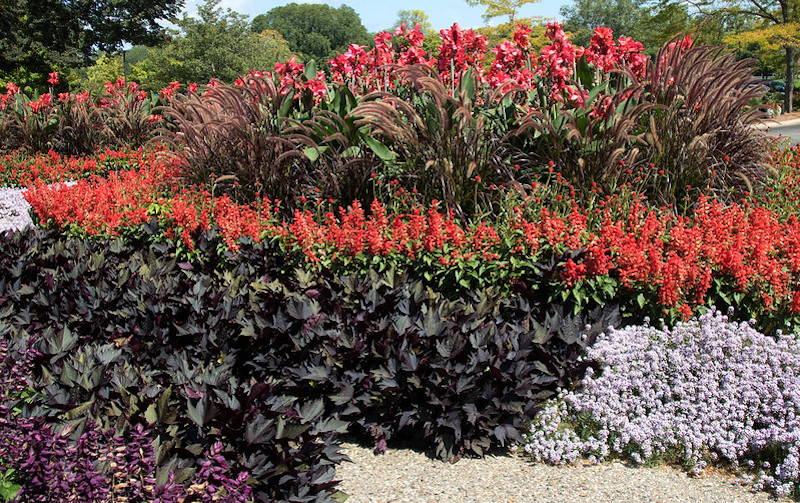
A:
(232, 356)
(119, 342)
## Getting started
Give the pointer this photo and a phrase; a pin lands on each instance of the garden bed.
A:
(432, 249)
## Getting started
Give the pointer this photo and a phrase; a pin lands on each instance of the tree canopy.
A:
(500, 8)
(217, 44)
(38, 36)
(33, 41)
(622, 16)
(314, 31)
(108, 24)
(772, 22)
(765, 43)
(651, 23)
(413, 17)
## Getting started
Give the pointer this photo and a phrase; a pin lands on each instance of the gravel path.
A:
(405, 476)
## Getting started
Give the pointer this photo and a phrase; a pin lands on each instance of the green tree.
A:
(764, 44)
(651, 23)
(217, 44)
(37, 36)
(500, 8)
(505, 31)
(713, 28)
(412, 18)
(778, 22)
(107, 68)
(583, 16)
(665, 19)
(109, 24)
(315, 31)
(35, 41)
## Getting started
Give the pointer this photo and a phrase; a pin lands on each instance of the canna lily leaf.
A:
(382, 151)
(310, 71)
(313, 153)
(584, 73)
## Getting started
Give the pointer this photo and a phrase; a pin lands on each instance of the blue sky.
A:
(380, 15)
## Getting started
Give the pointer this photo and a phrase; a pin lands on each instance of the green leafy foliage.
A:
(34, 41)
(653, 22)
(8, 486)
(217, 44)
(341, 154)
(38, 37)
(314, 31)
(500, 8)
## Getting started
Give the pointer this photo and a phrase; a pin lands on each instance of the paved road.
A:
(791, 131)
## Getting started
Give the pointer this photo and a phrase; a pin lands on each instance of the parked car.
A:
(775, 86)
(770, 86)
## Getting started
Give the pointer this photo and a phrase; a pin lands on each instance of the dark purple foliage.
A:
(150, 377)
(50, 466)
(56, 467)
(213, 484)
(261, 369)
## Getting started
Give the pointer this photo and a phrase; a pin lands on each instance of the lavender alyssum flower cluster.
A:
(707, 390)
(14, 209)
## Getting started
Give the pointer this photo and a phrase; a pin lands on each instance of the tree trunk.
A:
(787, 97)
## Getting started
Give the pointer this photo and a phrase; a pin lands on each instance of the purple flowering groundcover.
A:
(705, 391)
